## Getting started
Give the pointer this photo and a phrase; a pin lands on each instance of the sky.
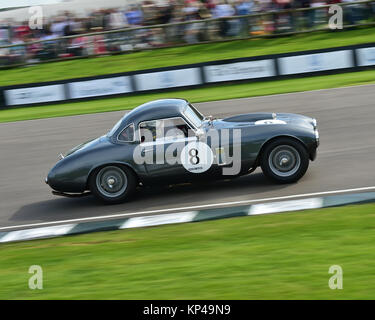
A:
(24, 3)
(52, 7)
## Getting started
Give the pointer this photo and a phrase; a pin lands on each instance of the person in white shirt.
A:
(223, 10)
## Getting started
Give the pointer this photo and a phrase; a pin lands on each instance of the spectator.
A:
(223, 10)
(244, 7)
(18, 51)
(171, 11)
(58, 26)
(190, 13)
(5, 33)
(352, 13)
(150, 15)
(22, 30)
(166, 13)
(78, 46)
(134, 16)
(116, 20)
(49, 46)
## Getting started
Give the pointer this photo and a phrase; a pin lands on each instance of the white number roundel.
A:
(197, 157)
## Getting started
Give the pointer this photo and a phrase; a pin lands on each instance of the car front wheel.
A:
(284, 160)
(112, 184)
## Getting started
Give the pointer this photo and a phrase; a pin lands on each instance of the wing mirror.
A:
(200, 133)
(209, 119)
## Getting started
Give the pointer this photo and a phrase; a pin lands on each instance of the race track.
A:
(346, 158)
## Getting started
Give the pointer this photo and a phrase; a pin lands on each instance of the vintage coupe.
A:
(281, 144)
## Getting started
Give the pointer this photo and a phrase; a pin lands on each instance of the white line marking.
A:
(36, 233)
(159, 219)
(283, 206)
(204, 206)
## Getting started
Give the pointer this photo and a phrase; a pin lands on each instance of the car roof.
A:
(157, 109)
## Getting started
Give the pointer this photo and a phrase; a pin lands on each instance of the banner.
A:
(240, 70)
(365, 56)
(34, 95)
(192, 76)
(316, 62)
(168, 79)
(99, 87)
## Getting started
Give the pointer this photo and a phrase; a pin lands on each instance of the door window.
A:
(164, 130)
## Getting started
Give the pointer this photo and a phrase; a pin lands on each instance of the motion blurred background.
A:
(94, 56)
(79, 28)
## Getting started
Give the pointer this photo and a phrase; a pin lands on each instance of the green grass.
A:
(218, 92)
(281, 256)
(182, 55)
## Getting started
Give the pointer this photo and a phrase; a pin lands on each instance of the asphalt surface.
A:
(346, 158)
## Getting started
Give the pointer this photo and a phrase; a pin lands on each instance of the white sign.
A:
(35, 95)
(168, 79)
(99, 87)
(240, 70)
(316, 62)
(366, 56)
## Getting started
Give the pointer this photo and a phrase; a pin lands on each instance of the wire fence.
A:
(265, 24)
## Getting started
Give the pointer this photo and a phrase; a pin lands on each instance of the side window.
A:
(165, 129)
(176, 128)
(147, 131)
(127, 135)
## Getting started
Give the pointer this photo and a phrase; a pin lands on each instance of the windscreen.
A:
(194, 116)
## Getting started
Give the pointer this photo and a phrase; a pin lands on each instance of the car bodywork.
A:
(72, 172)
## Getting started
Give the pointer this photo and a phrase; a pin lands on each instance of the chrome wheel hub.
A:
(284, 160)
(111, 181)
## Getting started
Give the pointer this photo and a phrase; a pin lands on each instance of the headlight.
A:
(315, 123)
(317, 137)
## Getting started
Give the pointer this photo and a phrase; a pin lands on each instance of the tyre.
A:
(284, 160)
(113, 184)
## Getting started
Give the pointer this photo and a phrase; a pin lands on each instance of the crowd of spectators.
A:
(149, 13)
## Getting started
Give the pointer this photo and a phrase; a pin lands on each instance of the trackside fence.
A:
(262, 24)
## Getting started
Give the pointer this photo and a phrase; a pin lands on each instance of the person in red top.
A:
(23, 30)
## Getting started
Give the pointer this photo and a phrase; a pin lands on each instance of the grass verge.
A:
(183, 55)
(218, 92)
(282, 256)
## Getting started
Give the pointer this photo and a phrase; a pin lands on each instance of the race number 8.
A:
(196, 157)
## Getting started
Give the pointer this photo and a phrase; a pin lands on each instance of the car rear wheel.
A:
(112, 184)
(284, 160)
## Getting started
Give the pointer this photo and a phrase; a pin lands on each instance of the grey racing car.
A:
(169, 141)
